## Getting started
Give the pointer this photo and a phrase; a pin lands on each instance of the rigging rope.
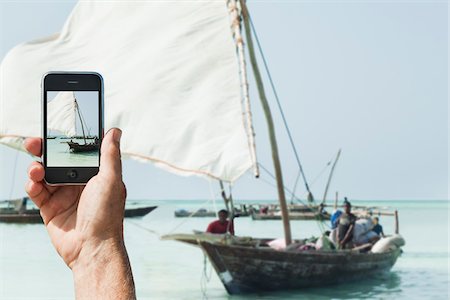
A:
(320, 222)
(297, 157)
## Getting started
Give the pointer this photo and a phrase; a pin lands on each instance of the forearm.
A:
(103, 271)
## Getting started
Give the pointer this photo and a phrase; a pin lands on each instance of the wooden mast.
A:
(331, 175)
(81, 120)
(270, 125)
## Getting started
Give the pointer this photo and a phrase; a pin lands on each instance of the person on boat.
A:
(377, 228)
(221, 226)
(85, 223)
(345, 227)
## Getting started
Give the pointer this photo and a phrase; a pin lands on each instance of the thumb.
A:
(110, 163)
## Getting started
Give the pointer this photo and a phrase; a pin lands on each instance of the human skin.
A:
(85, 223)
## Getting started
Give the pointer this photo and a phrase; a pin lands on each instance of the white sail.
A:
(171, 75)
(61, 114)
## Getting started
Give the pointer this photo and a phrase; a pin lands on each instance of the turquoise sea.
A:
(31, 269)
(60, 156)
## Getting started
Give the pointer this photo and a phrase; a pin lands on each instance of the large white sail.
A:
(171, 75)
(61, 114)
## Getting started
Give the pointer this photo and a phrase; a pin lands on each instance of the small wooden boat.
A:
(138, 212)
(201, 213)
(32, 216)
(88, 147)
(242, 211)
(305, 216)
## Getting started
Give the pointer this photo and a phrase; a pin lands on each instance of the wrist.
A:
(97, 252)
(103, 269)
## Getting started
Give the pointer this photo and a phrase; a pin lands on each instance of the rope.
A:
(319, 221)
(144, 228)
(213, 198)
(205, 277)
(189, 217)
(297, 157)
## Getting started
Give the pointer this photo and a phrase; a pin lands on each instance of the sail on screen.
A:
(72, 129)
(171, 82)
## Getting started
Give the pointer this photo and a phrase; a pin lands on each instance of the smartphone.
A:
(72, 111)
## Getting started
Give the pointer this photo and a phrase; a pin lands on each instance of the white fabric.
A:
(388, 243)
(171, 79)
(61, 114)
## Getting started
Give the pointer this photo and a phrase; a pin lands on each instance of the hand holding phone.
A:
(85, 223)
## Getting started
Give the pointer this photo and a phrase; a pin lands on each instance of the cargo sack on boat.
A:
(173, 82)
(364, 238)
(388, 243)
(362, 226)
(277, 244)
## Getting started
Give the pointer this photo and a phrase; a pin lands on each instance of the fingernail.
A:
(117, 135)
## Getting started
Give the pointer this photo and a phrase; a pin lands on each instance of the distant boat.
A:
(308, 215)
(242, 211)
(16, 212)
(183, 213)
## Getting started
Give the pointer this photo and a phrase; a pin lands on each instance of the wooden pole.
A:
(270, 126)
(81, 120)
(396, 222)
(331, 176)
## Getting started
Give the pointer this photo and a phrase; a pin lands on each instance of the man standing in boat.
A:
(345, 228)
(221, 226)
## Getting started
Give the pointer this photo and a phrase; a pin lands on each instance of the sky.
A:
(367, 77)
(88, 105)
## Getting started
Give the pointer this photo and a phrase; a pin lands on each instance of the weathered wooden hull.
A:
(34, 217)
(138, 212)
(76, 148)
(292, 216)
(249, 269)
(30, 217)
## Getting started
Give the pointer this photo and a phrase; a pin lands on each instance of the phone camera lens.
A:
(72, 174)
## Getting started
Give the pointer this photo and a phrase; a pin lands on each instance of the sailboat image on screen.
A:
(62, 113)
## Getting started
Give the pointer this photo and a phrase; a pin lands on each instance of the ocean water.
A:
(31, 269)
(58, 154)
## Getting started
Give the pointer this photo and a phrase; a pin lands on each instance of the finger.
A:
(110, 162)
(36, 172)
(37, 192)
(34, 146)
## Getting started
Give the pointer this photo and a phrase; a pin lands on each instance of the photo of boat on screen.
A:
(72, 129)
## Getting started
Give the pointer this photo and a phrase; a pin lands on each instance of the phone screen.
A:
(73, 129)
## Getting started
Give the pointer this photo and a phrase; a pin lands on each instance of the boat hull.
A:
(248, 269)
(34, 217)
(77, 148)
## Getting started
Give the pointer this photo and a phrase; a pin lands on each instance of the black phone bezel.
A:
(70, 81)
